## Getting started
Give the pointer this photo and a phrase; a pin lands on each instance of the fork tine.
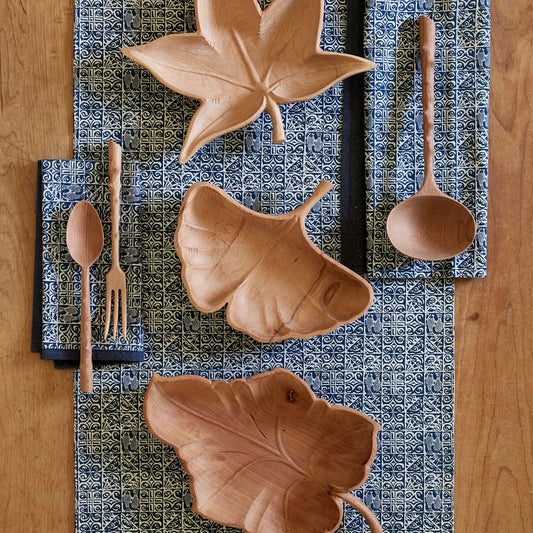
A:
(124, 312)
(107, 310)
(115, 313)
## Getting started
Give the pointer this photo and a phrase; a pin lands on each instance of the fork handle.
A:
(115, 162)
(86, 351)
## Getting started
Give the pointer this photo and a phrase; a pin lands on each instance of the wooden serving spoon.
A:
(85, 240)
(430, 225)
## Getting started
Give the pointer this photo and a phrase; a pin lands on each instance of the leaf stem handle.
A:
(278, 132)
(427, 57)
(86, 355)
(115, 162)
(358, 505)
(323, 188)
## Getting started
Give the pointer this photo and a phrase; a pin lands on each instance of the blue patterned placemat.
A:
(64, 183)
(395, 364)
(394, 136)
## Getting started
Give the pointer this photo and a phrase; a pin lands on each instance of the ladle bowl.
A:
(430, 225)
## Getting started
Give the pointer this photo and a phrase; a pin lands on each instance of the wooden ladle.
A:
(430, 225)
(85, 239)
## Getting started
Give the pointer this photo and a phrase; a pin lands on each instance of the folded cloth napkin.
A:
(57, 287)
(394, 133)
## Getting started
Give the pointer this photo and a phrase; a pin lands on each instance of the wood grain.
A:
(276, 283)
(430, 225)
(242, 61)
(115, 280)
(494, 317)
(247, 445)
(85, 240)
(36, 408)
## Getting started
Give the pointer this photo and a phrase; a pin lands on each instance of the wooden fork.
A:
(115, 279)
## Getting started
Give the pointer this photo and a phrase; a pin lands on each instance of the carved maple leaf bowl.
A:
(276, 283)
(263, 453)
(242, 61)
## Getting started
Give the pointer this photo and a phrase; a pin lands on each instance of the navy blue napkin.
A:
(57, 288)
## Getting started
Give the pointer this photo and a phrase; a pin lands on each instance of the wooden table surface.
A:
(494, 316)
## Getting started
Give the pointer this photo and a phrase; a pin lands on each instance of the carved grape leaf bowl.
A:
(263, 453)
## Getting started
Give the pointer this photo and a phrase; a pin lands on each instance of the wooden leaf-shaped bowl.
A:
(276, 282)
(264, 454)
(243, 61)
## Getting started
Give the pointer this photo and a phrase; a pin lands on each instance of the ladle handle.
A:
(427, 56)
(86, 351)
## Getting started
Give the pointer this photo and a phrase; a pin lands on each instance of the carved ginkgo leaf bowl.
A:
(276, 283)
(263, 453)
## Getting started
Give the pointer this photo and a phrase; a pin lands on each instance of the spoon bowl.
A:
(85, 236)
(85, 240)
(430, 225)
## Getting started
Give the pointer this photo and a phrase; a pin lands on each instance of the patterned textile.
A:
(64, 183)
(394, 135)
(395, 364)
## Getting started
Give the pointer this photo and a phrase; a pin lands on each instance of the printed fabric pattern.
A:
(395, 364)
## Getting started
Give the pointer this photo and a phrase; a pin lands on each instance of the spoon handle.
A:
(86, 355)
(427, 56)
